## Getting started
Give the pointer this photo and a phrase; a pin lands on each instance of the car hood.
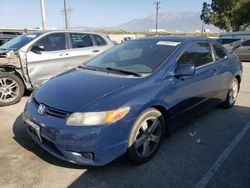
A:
(3, 51)
(9, 57)
(75, 89)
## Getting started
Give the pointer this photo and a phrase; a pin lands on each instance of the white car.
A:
(31, 59)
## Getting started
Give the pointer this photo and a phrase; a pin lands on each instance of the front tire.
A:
(232, 94)
(146, 136)
(11, 89)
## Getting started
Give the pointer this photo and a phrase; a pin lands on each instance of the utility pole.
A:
(65, 15)
(202, 28)
(43, 15)
(157, 16)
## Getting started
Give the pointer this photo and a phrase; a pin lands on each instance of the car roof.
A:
(66, 31)
(177, 38)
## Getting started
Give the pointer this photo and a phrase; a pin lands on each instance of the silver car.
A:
(31, 59)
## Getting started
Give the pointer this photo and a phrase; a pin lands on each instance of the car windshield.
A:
(135, 56)
(19, 41)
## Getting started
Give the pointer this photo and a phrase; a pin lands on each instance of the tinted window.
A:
(99, 40)
(80, 40)
(142, 56)
(246, 43)
(219, 52)
(53, 42)
(197, 54)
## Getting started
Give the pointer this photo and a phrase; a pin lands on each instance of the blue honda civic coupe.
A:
(128, 98)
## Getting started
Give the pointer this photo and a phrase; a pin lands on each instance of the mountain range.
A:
(178, 21)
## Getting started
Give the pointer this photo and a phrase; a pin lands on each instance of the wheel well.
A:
(238, 78)
(10, 69)
(163, 110)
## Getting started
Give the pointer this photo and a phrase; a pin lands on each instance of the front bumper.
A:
(94, 145)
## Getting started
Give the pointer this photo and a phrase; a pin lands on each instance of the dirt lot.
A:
(211, 151)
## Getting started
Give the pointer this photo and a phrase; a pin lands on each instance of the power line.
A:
(157, 16)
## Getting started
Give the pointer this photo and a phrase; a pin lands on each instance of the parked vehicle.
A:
(33, 58)
(239, 35)
(129, 97)
(225, 41)
(241, 48)
(5, 38)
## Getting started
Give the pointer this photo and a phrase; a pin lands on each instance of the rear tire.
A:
(11, 89)
(146, 136)
(232, 94)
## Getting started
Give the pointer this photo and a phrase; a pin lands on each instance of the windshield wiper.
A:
(125, 71)
(88, 68)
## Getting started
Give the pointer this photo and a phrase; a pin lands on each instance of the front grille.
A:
(52, 111)
(57, 113)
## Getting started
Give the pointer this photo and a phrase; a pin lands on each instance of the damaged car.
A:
(29, 60)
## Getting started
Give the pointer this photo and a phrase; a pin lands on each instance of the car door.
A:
(82, 48)
(47, 57)
(243, 51)
(223, 69)
(198, 92)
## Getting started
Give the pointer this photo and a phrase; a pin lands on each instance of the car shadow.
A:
(175, 163)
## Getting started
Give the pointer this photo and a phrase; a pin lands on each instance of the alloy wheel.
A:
(148, 137)
(233, 92)
(9, 90)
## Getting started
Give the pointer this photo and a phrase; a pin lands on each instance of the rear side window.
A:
(219, 52)
(246, 43)
(99, 40)
(53, 42)
(80, 40)
(197, 54)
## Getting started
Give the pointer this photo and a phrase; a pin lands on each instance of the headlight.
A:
(96, 118)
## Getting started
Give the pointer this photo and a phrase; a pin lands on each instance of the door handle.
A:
(95, 51)
(63, 54)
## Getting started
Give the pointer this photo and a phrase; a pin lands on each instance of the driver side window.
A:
(198, 54)
(53, 42)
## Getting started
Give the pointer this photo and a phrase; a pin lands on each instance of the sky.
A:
(91, 13)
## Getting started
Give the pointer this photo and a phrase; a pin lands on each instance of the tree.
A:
(231, 15)
(241, 18)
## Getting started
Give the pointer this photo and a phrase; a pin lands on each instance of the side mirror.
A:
(184, 70)
(37, 48)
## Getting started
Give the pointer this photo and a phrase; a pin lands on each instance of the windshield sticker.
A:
(31, 36)
(168, 43)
